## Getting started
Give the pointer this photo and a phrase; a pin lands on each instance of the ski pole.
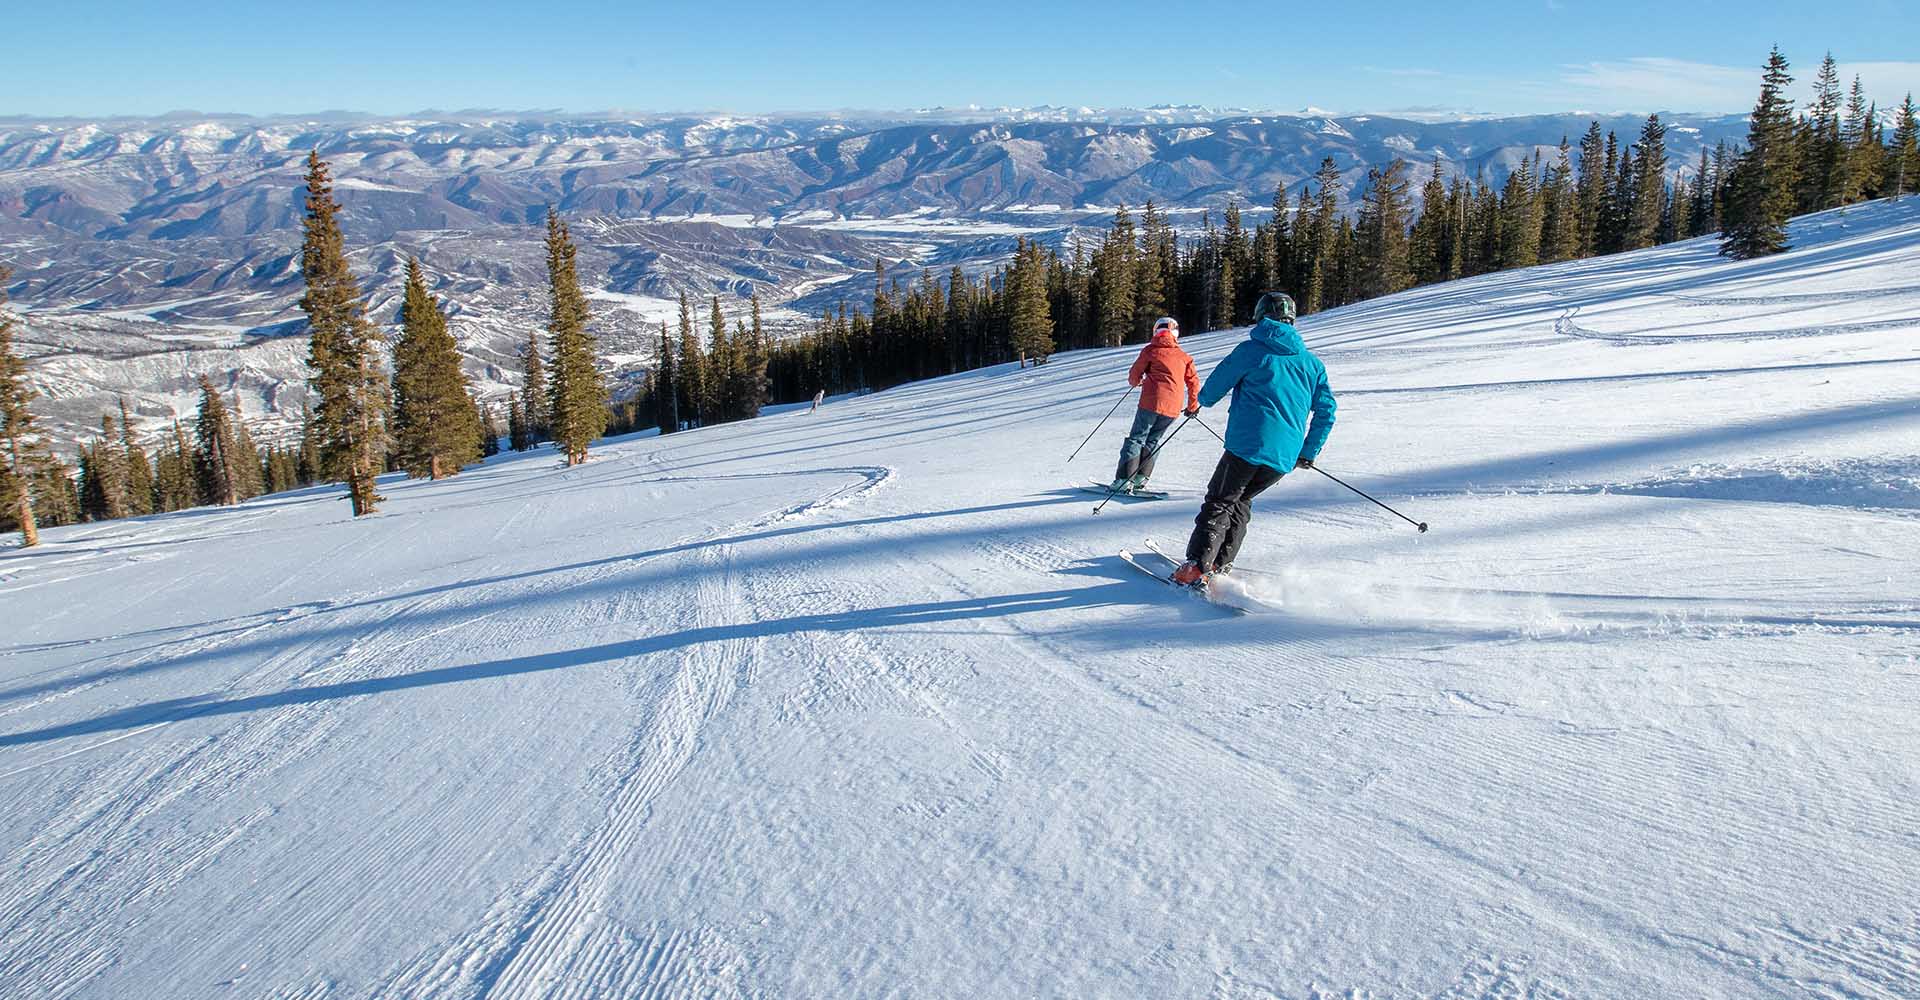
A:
(1422, 525)
(1155, 450)
(1102, 423)
(1210, 429)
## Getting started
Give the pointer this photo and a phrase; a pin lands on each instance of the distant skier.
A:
(1275, 383)
(819, 397)
(1160, 372)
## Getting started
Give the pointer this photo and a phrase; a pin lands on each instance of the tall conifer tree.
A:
(213, 456)
(1760, 195)
(24, 448)
(1030, 321)
(344, 350)
(436, 426)
(1383, 232)
(1649, 186)
(1113, 282)
(1903, 155)
(579, 407)
(1590, 192)
(139, 469)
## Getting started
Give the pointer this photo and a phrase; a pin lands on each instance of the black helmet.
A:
(1276, 306)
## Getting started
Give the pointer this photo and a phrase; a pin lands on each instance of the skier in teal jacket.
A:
(1277, 384)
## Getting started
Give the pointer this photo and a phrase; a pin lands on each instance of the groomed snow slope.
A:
(863, 703)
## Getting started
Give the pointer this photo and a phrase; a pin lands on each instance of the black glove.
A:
(1193, 411)
(1303, 462)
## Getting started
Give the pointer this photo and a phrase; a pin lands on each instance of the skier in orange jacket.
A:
(1161, 371)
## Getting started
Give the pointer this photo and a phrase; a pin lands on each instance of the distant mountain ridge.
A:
(147, 251)
(178, 178)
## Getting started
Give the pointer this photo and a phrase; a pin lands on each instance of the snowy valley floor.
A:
(864, 703)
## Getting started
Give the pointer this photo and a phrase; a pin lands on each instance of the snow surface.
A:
(864, 702)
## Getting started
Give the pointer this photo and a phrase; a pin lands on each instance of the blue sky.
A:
(1513, 56)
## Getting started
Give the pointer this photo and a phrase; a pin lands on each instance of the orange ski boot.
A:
(1189, 575)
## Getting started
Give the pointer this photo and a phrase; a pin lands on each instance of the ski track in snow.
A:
(862, 702)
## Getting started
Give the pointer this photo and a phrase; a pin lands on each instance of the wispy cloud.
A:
(1651, 83)
(1886, 82)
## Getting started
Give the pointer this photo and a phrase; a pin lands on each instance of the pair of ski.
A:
(1220, 591)
(1106, 490)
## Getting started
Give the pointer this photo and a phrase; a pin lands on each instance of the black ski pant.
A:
(1142, 445)
(1222, 524)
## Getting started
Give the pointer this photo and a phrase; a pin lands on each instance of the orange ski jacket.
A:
(1159, 372)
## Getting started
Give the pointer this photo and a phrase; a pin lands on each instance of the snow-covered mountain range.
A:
(149, 251)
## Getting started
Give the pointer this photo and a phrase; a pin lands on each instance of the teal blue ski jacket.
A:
(1275, 383)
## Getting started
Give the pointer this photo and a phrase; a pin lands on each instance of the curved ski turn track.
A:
(864, 703)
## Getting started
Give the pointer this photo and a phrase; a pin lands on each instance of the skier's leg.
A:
(1259, 478)
(1216, 512)
(1151, 454)
(1130, 449)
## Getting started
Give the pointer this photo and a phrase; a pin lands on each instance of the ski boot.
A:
(1189, 575)
(1136, 484)
(1121, 486)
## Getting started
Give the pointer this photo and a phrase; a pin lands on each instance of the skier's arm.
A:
(1322, 419)
(1139, 370)
(1193, 386)
(1226, 375)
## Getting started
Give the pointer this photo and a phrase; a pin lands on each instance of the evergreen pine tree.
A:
(1649, 186)
(249, 473)
(1519, 224)
(436, 426)
(1113, 287)
(1590, 192)
(580, 399)
(753, 360)
(1560, 227)
(1822, 178)
(1236, 269)
(666, 387)
(489, 431)
(1620, 197)
(173, 475)
(93, 497)
(721, 377)
(54, 499)
(1701, 210)
(1030, 321)
(312, 463)
(1150, 299)
(1427, 247)
(1383, 232)
(1862, 153)
(1317, 285)
(213, 456)
(24, 448)
(139, 470)
(1903, 154)
(519, 432)
(1760, 194)
(344, 351)
(693, 374)
(533, 389)
(103, 491)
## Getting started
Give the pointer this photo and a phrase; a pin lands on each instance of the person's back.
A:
(1169, 386)
(1277, 385)
(1165, 373)
(1282, 412)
